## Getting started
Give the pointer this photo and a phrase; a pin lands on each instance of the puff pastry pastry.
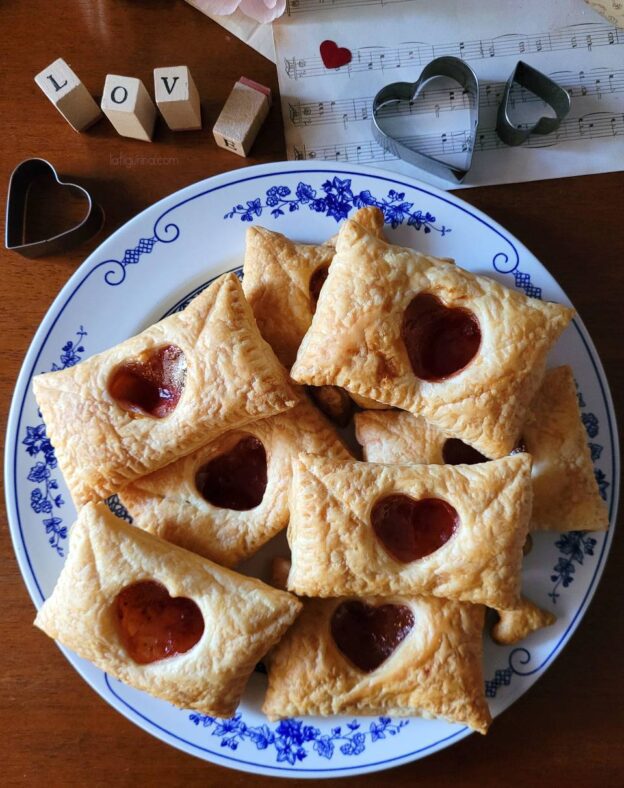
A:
(232, 378)
(565, 494)
(169, 504)
(378, 297)
(242, 617)
(435, 671)
(282, 280)
(514, 625)
(341, 544)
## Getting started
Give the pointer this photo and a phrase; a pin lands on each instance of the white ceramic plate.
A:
(151, 266)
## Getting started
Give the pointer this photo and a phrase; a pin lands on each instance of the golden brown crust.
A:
(335, 551)
(435, 671)
(565, 494)
(355, 340)
(232, 378)
(243, 617)
(276, 282)
(515, 625)
(168, 504)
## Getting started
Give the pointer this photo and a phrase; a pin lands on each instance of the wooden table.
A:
(55, 729)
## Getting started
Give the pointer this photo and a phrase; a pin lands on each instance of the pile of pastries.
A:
(208, 427)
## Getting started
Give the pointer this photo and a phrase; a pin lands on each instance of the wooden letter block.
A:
(69, 95)
(129, 107)
(177, 98)
(242, 115)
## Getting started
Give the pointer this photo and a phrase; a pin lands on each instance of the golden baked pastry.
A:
(364, 529)
(565, 494)
(394, 656)
(426, 336)
(282, 281)
(161, 394)
(159, 618)
(225, 500)
(515, 625)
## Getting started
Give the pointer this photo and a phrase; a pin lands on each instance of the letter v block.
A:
(129, 107)
(177, 98)
(69, 95)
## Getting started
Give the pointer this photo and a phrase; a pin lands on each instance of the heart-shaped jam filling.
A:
(456, 452)
(236, 479)
(154, 625)
(410, 529)
(440, 340)
(317, 280)
(151, 384)
(368, 635)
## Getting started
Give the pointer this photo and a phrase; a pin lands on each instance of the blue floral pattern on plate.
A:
(290, 737)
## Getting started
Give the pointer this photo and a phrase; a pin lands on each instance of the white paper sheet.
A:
(327, 111)
(257, 35)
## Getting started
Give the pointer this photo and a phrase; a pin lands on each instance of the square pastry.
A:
(426, 336)
(565, 494)
(159, 618)
(227, 499)
(395, 656)
(161, 394)
(363, 529)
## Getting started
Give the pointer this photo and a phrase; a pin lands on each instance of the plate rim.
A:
(63, 298)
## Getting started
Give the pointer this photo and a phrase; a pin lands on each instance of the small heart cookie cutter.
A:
(447, 66)
(20, 182)
(543, 87)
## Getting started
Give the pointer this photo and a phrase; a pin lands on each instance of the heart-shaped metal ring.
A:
(447, 66)
(543, 87)
(15, 230)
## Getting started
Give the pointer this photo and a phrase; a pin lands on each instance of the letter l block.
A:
(71, 98)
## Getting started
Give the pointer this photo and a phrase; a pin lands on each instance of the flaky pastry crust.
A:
(355, 340)
(243, 617)
(232, 378)
(515, 625)
(565, 494)
(434, 672)
(168, 504)
(335, 551)
(276, 281)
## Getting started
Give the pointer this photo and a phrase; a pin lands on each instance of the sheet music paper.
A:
(327, 111)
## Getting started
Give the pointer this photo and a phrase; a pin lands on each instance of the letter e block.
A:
(177, 98)
(241, 117)
(129, 107)
(69, 95)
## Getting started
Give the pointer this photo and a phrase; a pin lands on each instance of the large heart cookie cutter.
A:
(447, 66)
(15, 230)
(543, 87)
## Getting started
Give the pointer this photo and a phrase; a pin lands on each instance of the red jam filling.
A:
(236, 479)
(151, 384)
(154, 625)
(317, 280)
(368, 635)
(456, 452)
(440, 340)
(410, 529)
(520, 447)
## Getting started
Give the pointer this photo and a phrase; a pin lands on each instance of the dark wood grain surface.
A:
(568, 730)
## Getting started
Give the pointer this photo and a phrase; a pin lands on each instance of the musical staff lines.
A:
(310, 6)
(594, 83)
(586, 36)
(594, 125)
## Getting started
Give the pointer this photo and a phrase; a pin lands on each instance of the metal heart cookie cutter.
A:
(544, 88)
(20, 183)
(453, 68)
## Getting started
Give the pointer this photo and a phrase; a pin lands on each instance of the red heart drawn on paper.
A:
(334, 56)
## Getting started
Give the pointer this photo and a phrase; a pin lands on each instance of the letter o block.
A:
(129, 107)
